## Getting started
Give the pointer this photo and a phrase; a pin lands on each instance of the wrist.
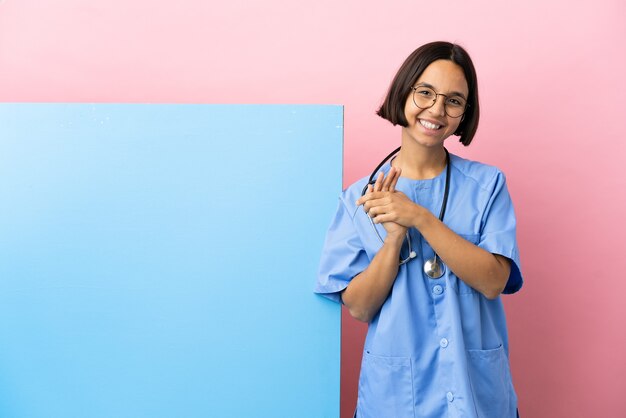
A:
(395, 238)
(420, 217)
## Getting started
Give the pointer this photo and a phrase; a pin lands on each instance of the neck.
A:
(420, 163)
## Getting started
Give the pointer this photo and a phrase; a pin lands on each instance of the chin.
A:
(429, 142)
(423, 140)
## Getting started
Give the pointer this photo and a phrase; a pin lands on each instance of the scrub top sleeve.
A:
(498, 228)
(343, 256)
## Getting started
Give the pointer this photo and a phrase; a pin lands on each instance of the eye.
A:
(455, 101)
(424, 92)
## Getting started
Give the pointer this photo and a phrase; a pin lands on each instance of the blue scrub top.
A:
(436, 348)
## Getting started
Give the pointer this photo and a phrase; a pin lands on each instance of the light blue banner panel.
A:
(159, 260)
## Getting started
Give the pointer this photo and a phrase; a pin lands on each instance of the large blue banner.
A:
(159, 260)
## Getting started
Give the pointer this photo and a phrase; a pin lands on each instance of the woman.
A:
(423, 252)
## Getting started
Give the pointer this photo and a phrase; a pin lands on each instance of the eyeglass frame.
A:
(445, 108)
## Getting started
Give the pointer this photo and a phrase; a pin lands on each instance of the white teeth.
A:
(429, 125)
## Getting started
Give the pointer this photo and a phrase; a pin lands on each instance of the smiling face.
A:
(430, 127)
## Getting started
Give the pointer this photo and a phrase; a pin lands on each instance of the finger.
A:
(379, 181)
(371, 195)
(364, 197)
(388, 180)
(386, 217)
(373, 209)
(392, 187)
(382, 218)
(373, 203)
(377, 212)
(393, 174)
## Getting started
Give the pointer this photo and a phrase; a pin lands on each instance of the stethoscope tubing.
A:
(431, 267)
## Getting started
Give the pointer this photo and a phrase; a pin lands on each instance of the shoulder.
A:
(352, 193)
(484, 176)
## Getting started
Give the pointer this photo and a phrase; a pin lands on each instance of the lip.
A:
(430, 132)
(433, 121)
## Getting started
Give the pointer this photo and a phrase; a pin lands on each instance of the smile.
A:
(429, 125)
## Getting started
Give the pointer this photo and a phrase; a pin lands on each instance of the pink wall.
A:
(553, 95)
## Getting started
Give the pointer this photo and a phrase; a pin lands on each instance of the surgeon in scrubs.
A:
(436, 346)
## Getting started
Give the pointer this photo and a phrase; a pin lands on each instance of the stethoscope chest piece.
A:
(433, 268)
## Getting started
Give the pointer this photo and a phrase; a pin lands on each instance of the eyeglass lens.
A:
(425, 97)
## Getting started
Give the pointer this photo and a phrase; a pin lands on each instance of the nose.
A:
(439, 107)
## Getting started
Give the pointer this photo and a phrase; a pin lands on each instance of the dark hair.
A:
(392, 108)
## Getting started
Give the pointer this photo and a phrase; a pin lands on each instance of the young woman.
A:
(422, 250)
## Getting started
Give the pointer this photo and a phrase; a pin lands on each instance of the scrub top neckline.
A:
(421, 183)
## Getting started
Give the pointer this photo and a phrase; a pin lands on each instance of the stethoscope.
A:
(433, 267)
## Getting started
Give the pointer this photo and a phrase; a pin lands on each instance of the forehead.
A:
(444, 76)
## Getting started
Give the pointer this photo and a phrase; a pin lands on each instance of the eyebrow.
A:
(451, 93)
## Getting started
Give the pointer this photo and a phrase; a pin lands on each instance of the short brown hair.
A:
(392, 108)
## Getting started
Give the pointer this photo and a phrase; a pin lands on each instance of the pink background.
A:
(551, 76)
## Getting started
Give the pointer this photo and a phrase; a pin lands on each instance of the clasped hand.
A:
(384, 204)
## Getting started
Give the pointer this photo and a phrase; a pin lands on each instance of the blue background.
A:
(159, 260)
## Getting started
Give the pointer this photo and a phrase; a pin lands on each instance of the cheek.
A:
(409, 112)
(453, 124)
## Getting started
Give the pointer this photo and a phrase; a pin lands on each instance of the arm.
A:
(480, 269)
(485, 272)
(368, 290)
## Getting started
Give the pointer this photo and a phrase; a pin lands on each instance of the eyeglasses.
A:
(425, 97)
